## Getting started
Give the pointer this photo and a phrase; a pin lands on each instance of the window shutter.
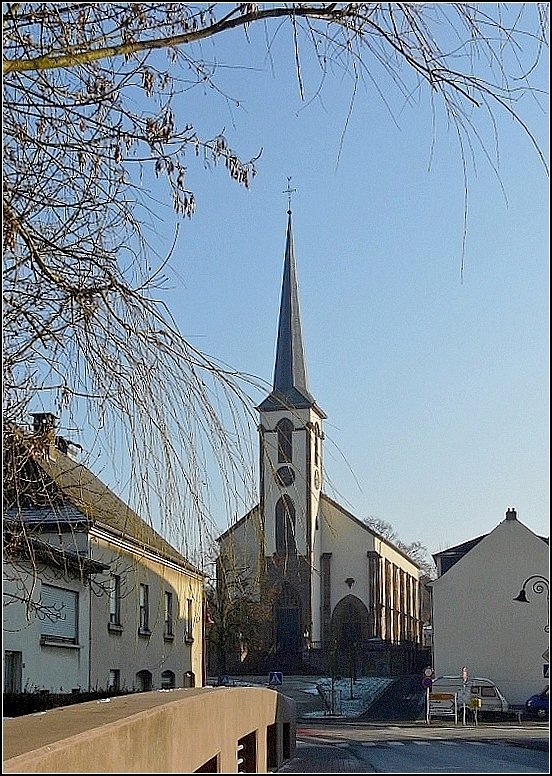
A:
(59, 617)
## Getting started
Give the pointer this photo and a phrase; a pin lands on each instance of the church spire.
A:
(290, 378)
(289, 371)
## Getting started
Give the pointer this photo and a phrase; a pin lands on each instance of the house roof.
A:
(57, 557)
(452, 555)
(366, 527)
(70, 492)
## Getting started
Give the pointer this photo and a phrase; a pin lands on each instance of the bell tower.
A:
(291, 437)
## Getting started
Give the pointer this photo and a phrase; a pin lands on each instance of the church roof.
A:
(290, 376)
(323, 498)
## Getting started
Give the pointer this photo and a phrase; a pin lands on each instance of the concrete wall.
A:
(174, 731)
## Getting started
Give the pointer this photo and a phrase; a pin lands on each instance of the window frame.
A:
(189, 633)
(168, 633)
(143, 610)
(115, 621)
(284, 432)
(285, 537)
(51, 632)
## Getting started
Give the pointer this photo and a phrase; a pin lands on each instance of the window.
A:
(114, 681)
(316, 444)
(189, 635)
(285, 527)
(13, 664)
(169, 632)
(167, 680)
(143, 681)
(284, 430)
(143, 627)
(488, 692)
(115, 600)
(59, 610)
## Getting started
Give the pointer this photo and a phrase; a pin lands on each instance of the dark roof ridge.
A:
(79, 486)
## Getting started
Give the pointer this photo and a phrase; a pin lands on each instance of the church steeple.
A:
(289, 388)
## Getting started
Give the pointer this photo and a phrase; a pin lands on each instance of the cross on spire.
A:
(289, 191)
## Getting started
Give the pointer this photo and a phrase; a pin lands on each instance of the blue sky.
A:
(436, 388)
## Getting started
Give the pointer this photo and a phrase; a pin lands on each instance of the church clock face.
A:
(285, 475)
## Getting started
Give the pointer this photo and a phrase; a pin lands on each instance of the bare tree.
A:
(90, 115)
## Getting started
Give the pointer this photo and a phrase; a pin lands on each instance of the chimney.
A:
(511, 514)
(44, 422)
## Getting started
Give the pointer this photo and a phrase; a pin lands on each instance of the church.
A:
(336, 595)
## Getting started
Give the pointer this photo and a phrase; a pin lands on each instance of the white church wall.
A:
(240, 553)
(348, 543)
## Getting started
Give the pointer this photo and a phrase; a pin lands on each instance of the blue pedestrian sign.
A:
(275, 677)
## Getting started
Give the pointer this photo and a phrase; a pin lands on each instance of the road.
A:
(417, 748)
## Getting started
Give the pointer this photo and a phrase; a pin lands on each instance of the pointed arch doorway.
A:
(349, 630)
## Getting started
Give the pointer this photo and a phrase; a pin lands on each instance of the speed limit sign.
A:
(428, 671)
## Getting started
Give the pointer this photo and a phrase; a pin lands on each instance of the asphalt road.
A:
(345, 746)
(403, 700)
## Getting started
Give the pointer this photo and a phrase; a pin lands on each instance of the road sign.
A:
(464, 673)
(427, 681)
(275, 677)
(545, 655)
(545, 670)
(442, 704)
(428, 671)
(464, 696)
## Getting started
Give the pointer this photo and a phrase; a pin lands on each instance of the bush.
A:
(16, 704)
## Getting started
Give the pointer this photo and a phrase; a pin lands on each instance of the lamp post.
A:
(538, 585)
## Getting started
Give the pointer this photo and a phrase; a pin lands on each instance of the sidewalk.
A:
(351, 698)
(317, 758)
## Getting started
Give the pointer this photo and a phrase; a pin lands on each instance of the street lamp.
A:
(538, 585)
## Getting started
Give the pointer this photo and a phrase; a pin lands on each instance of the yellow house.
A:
(94, 597)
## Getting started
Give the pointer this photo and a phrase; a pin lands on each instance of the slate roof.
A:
(452, 555)
(75, 494)
(290, 390)
(58, 557)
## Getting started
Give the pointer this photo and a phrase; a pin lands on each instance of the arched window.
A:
(143, 681)
(285, 527)
(167, 680)
(285, 444)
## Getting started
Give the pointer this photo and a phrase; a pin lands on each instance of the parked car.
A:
(492, 700)
(537, 705)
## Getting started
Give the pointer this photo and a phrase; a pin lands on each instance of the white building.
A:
(94, 598)
(479, 620)
(331, 583)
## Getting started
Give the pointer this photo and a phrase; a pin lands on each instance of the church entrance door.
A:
(288, 630)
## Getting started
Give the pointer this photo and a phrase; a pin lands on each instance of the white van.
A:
(492, 700)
